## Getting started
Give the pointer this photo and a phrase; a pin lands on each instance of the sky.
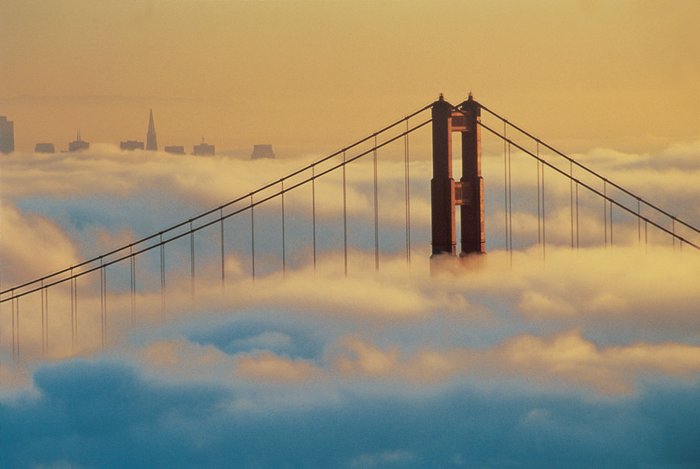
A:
(544, 356)
(585, 72)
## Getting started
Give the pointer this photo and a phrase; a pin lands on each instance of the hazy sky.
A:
(543, 357)
(585, 73)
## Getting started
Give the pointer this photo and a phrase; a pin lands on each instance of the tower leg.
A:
(472, 210)
(442, 184)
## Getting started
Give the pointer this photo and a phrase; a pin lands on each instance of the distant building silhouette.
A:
(131, 145)
(7, 135)
(262, 151)
(203, 149)
(175, 149)
(78, 144)
(44, 148)
(151, 142)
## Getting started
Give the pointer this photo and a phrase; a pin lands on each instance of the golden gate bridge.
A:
(130, 267)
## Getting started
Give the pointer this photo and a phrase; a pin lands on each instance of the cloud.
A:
(267, 367)
(87, 412)
(569, 358)
(25, 252)
(566, 359)
(572, 347)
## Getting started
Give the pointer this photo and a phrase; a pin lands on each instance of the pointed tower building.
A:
(151, 142)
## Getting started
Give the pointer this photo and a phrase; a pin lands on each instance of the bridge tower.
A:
(468, 192)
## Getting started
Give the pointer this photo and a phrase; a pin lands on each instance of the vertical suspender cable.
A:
(284, 241)
(313, 210)
(345, 220)
(104, 281)
(605, 209)
(510, 206)
(544, 216)
(611, 223)
(407, 187)
(571, 196)
(17, 354)
(43, 321)
(646, 231)
(223, 255)
(14, 327)
(46, 304)
(376, 207)
(72, 309)
(577, 230)
(639, 221)
(673, 231)
(162, 274)
(252, 236)
(132, 262)
(192, 263)
(103, 303)
(505, 180)
(539, 203)
(76, 308)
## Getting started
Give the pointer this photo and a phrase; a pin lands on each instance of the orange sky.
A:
(316, 75)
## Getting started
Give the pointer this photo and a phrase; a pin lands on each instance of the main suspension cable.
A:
(590, 188)
(214, 210)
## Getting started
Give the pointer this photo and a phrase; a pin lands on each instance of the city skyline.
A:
(149, 144)
(605, 52)
(251, 311)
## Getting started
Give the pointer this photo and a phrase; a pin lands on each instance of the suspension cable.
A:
(252, 237)
(73, 309)
(577, 224)
(225, 205)
(605, 211)
(585, 168)
(510, 206)
(544, 214)
(43, 321)
(15, 329)
(539, 208)
(505, 184)
(231, 214)
(571, 196)
(284, 241)
(313, 210)
(611, 224)
(376, 207)
(192, 263)
(103, 304)
(162, 275)
(407, 188)
(132, 265)
(223, 254)
(639, 222)
(590, 188)
(345, 220)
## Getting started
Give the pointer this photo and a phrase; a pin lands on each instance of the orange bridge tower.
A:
(468, 192)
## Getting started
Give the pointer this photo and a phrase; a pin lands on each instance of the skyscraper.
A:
(175, 149)
(204, 149)
(78, 144)
(151, 143)
(44, 148)
(131, 145)
(7, 135)
(262, 151)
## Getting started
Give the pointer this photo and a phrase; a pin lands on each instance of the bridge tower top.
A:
(468, 192)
